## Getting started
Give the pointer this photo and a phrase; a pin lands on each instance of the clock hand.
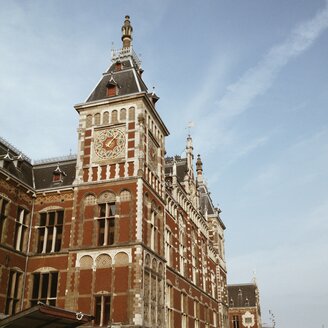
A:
(108, 143)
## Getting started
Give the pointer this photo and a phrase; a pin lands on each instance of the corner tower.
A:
(117, 239)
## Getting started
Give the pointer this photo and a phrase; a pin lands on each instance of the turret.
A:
(199, 170)
(127, 32)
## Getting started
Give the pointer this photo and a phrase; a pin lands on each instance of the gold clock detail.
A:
(109, 144)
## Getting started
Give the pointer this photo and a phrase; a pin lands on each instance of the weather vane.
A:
(190, 126)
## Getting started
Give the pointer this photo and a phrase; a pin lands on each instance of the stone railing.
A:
(118, 54)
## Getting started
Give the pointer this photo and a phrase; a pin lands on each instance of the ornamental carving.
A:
(53, 198)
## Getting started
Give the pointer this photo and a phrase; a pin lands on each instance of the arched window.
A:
(44, 288)
(125, 196)
(106, 219)
(3, 213)
(114, 117)
(131, 114)
(14, 291)
(88, 122)
(123, 115)
(105, 118)
(97, 119)
(50, 231)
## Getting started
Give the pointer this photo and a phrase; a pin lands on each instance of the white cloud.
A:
(257, 80)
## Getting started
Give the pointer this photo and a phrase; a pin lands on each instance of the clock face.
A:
(109, 143)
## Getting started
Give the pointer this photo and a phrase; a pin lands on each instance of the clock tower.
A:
(117, 239)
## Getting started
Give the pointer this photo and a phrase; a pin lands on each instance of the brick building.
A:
(118, 231)
(244, 306)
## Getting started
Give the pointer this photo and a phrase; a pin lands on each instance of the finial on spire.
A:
(190, 126)
(199, 170)
(127, 32)
(199, 164)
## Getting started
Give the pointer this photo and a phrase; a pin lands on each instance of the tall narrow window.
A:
(153, 230)
(204, 263)
(169, 304)
(105, 118)
(235, 321)
(106, 224)
(21, 228)
(196, 313)
(213, 286)
(44, 288)
(122, 114)
(102, 310)
(184, 310)
(50, 231)
(194, 258)
(168, 247)
(3, 214)
(114, 117)
(182, 245)
(13, 292)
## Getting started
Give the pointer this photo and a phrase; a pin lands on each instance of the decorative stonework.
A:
(139, 209)
(248, 319)
(54, 198)
(104, 257)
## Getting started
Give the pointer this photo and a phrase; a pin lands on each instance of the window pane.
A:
(54, 279)
(52, 216)
(49, 239)
(36, 283)
(106, 310)
(18, 275)
(58, 239)
(41, 239)
(111, 231)
(102, 210)
(60, 217)
(43, 219)
(112, 209)
(45, 281)
(97, 310)
(101, 235)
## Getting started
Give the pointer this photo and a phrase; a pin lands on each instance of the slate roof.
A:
(242, 294)
(40, 175)
(182, 168)
(205, 201)
(128, 80)
(23, 171)
(43, 174)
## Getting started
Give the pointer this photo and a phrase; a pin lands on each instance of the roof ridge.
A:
(55, 159)
(14, 149)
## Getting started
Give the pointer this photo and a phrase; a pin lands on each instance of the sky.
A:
(252, 76)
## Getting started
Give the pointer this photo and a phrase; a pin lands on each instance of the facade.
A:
(244, 306)
(118, 231)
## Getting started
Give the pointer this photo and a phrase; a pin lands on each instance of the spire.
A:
(127, 32)
(190, 157)
(199, 170)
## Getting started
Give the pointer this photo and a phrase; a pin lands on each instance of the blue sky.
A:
(252, 76)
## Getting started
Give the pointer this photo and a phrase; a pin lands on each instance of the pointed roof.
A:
(127, 79)
(124, 72)
(243, 295)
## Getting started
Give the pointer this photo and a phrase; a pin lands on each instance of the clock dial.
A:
(109, 144)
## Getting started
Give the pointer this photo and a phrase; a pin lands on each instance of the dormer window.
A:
(58, 175)
(18, 160)
(118, 66)
(112, 87)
